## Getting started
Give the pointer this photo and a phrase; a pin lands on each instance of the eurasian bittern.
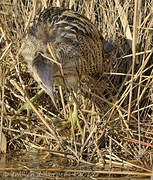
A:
(65, 37)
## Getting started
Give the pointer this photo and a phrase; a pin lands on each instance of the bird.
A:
(62, 47)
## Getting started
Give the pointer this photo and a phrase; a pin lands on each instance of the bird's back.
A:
(75, 40)
(76, 44)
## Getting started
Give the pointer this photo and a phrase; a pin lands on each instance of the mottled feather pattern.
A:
(71, 35)
(76, 43)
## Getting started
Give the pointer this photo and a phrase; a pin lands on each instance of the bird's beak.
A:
(51, 94)
(42, 71)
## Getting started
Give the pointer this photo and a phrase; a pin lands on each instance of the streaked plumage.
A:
(76, 43)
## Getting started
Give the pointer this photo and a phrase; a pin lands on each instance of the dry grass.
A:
(116, 114)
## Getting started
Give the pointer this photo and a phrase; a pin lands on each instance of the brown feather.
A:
(76, 42)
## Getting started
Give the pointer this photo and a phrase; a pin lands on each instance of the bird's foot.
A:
(26, 106)
(74, 119)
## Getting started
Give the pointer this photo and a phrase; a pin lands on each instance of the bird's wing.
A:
(75, 40)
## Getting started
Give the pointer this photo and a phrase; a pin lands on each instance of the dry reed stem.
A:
(134, 42)
(35, 110)
(125, 91)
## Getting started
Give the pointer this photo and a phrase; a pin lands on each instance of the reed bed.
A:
(115, 114)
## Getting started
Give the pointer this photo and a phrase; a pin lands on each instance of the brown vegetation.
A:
(116, 113)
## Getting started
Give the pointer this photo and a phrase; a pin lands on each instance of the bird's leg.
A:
(74, 116)
(26, 105)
